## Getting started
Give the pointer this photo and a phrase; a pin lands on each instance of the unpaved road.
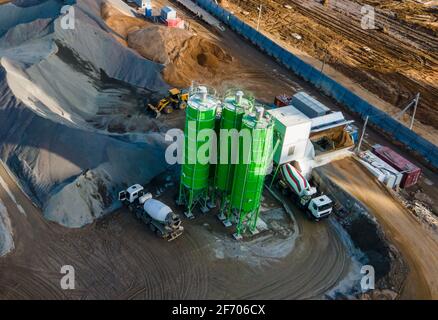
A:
(118, 258)
(418, 245)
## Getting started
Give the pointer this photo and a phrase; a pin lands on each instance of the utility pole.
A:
(417, 98)
(260, 16)
(410, 104)
(359, 145)
(323, 61)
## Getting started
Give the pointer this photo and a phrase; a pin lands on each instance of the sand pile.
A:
(70, 75)
(186, 56)
(62, 94)
(121, 23)
(159, 43)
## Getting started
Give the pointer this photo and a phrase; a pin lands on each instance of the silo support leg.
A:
(181, 195)
(275, 176)
(189, 213)
(253, 224)
(238, 234)
(213, 199)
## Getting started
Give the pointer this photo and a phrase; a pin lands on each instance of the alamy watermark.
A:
(68, 281)
(368, 279)
(68, 19)
(228, 146)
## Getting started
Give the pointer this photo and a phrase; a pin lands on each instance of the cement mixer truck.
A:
(155, 214)
(317, 207)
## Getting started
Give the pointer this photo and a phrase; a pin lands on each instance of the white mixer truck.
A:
(317, 206)
(159, 217)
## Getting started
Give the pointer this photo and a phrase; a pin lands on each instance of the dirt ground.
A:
(121, 24)
(118, 258)
(411, 12)
(394, 63)
(418, 245)
(248, 69)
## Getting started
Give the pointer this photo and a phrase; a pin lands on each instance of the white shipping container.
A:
(168, 13)
(381, 170)
(309, 105)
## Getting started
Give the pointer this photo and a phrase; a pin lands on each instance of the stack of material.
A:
(381, 170)
(410, 172)
(55, 132)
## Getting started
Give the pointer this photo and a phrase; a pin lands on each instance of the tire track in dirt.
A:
(116, 258)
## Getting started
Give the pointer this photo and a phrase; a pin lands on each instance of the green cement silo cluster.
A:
(237, 183)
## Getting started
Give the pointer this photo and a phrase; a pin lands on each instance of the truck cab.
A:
(159, 217)
(320, 207)
(131, 194)
(317, 206)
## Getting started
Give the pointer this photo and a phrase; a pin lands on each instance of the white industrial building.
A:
(292, 127)
(302, 126)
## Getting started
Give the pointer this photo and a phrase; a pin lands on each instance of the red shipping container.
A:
(410, 172)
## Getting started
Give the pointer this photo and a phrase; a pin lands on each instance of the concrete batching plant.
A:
(236, 174)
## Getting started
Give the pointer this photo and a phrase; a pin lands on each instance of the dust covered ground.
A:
(76, 132)
(393, 62)
(118, 258)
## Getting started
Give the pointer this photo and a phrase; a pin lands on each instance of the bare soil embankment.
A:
(418, 244)
(392, 64)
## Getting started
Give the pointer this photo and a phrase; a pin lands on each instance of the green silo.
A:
(250, 172)
(234, 106)
(200, 117)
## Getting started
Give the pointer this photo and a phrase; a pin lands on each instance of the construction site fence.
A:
(342, 95)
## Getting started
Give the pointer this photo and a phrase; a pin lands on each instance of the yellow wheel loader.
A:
(177, 99)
